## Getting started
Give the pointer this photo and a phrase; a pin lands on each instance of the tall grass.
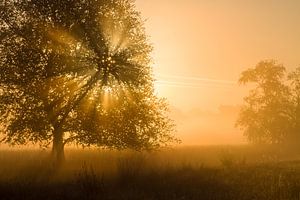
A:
(236, 172)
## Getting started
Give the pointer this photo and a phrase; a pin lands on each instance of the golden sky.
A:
(201, 47)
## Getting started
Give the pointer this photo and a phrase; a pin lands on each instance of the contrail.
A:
(191, 78)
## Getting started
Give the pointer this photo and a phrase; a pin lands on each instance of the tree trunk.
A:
(58, 153)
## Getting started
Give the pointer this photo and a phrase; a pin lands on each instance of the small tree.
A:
(266, 115)
(77, 71)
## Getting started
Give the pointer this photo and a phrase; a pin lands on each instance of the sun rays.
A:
(94, 81)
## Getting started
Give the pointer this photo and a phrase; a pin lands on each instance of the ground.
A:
(212, 172)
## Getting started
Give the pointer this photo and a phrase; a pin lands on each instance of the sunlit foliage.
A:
(78, 71)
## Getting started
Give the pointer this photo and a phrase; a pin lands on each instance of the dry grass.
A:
(232, 172)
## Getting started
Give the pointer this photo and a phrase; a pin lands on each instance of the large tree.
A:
(78, 71)
(267, 112)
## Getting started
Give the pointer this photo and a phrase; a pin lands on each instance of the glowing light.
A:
(107, 89)
(81, 80)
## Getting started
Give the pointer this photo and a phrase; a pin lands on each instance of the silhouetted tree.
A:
(266, 115)
(294, 84)
(78, 71)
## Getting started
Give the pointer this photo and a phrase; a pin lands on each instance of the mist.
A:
(154, 100)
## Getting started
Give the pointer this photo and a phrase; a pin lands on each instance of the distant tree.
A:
(78, 71)
(266, 114)
(294, 84)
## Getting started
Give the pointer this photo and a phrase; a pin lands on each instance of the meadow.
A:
(207, 172)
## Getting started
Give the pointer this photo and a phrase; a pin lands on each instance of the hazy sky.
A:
(217, 39)
(201, 47)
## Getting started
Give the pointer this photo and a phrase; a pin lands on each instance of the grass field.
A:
(212, 172)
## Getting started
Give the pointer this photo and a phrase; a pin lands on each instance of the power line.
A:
(192, 78)
(191, 85)
(193, 82)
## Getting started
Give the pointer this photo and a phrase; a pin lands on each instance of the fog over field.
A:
(206, 127)
(200, 49)
(150, 99)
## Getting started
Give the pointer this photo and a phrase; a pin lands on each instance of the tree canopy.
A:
(294, 82)
(78, 71)
(270, 113)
